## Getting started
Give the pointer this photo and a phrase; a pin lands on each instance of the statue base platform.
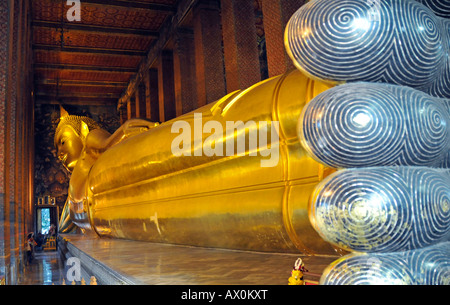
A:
(124, 262)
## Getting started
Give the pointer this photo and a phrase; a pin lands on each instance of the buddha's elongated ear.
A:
(84, 130)
(63, 112)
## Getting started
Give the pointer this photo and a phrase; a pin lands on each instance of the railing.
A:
(313, 278)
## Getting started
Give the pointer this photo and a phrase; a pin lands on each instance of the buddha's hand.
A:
(386, 128)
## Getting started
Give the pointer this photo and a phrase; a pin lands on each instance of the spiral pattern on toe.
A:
(439, 7)
(384, 209)
(446, 161)
(390, 41)
(441, 85)
(365, 124)
(429, 266)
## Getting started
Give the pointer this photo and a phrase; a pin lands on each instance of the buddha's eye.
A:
(62, 142)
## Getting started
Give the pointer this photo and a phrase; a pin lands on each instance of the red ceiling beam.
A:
(134, 4)
(95, 28)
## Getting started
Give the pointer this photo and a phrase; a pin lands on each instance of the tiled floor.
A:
(161, 264)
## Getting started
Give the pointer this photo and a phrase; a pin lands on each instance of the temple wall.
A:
(16, 136)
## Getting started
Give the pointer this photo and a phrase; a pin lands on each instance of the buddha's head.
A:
(70, 137)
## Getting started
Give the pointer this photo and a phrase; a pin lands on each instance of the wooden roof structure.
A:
(92, 61)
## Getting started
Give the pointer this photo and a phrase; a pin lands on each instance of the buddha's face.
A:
(69, 145)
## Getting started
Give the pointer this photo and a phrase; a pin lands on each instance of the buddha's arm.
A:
(100, 140)
(65, 223)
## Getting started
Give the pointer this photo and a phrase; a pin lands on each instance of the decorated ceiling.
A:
(86, 66)
(91, 61)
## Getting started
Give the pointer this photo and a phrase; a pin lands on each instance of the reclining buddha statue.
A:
(348, 153)
(184, 182)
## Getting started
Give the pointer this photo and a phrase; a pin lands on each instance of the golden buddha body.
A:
(181, 185)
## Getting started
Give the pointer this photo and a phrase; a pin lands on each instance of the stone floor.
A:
(161, 264)
(45, 269)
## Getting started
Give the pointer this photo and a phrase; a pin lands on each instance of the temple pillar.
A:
(6, 110)
(241, 52)
(4, 92)
(184, 72)
(151, 95)
(16, 228)
(276, 16)
(29, 120)
(140, 101)
(14, 99)
(123, 115)
(24, 144)
(12, 117)
(166, 90)
(131, 108)
(209, 60)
